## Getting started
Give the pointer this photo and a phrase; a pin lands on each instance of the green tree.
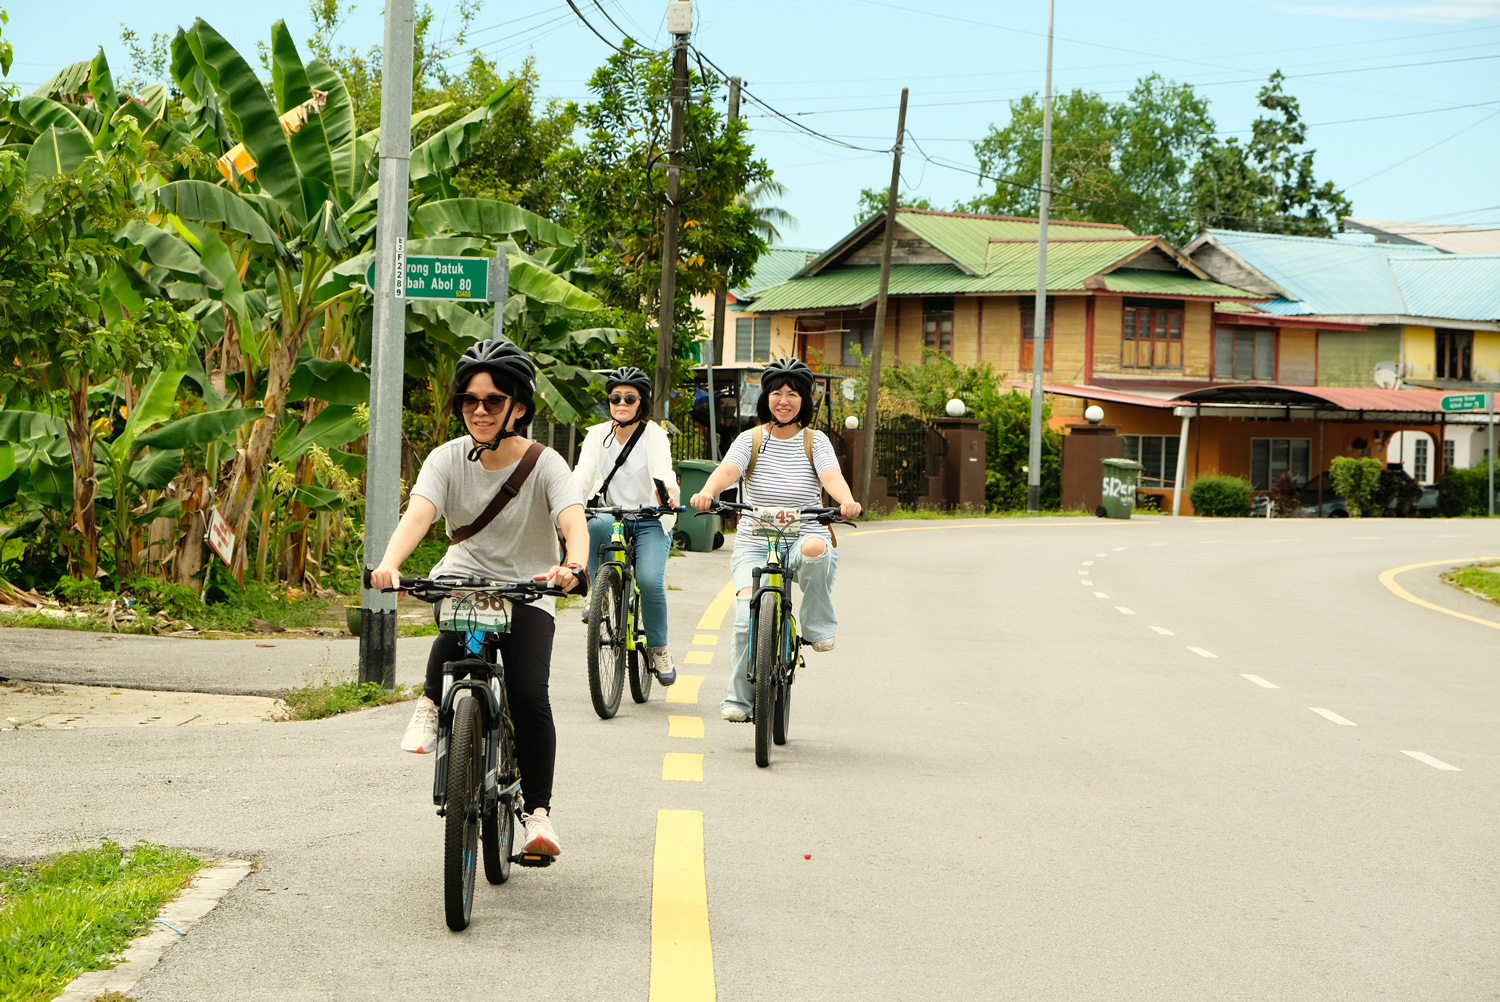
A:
(1266, 185)
(1125, 162)
(872, 202)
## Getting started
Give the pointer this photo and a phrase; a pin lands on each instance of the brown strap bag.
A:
(508, 490)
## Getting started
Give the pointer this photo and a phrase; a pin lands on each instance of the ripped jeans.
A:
(816, 619)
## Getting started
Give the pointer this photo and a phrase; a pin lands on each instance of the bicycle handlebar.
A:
(436, 589)
(648, 511)
(823, 516)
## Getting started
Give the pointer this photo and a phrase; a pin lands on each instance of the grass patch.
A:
(41, 621)
(77, 911)
(315, 702)
(1480, 580)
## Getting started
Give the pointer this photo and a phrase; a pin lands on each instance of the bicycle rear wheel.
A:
(763, 664)
(462, 802)
(498, 832)
(640, 666)
(606, 642)
(782, 719)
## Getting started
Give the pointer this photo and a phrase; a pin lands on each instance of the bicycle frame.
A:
(776, 578)
(486, 683)
(621, 550)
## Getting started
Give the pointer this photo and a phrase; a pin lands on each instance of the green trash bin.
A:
(1120, 477)
(696, 530)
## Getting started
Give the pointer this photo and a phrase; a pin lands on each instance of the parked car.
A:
(1333, 506)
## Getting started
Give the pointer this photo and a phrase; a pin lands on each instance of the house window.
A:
(861, 333)
(937, 324)
(752, 339)
(1151, 336)
(1028, 335)
(1271, 457)
(1419, 460)
(1157, 455)
(1448, 452)
(1241, 353)
(1455, 352)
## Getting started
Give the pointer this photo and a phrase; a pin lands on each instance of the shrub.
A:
(1284, 496)
(1461, 492)
(177, 601)
(76, 592)
(1397, 493)
(1356, 480)
(1221, 495)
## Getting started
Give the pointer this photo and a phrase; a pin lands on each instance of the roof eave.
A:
(1208, 237)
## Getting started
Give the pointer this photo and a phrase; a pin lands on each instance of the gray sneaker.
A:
(662, 667)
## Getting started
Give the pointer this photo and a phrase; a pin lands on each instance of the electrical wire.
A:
(1440, 142)
(612, 45)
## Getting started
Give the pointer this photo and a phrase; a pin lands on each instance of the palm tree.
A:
(767, 217)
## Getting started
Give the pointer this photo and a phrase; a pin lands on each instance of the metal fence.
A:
(906, 449)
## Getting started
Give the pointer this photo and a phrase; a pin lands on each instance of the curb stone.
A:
(209, 886)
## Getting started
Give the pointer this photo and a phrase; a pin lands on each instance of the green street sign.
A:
(1464, 402)
(444, 277)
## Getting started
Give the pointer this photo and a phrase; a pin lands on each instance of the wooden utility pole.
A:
(666, 325)
(716, 346)
(872, 392)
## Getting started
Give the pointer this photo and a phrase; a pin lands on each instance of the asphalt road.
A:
(1034, 768)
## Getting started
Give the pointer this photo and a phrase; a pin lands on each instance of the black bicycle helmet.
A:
(629, 375)
(513, 372)
(791, 372)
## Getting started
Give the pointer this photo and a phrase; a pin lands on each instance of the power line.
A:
(612, 45)
(1440, 142)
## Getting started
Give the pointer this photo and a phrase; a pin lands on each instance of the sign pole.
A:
(377, 635)
(1491, 429)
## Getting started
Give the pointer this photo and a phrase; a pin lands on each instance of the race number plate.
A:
(478, 613)
(780, 518)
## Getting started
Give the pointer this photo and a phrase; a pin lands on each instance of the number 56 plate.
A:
(477, 612)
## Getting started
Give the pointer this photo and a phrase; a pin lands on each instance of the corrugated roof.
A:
(966, 237)
(1162, 283)
(1455, 238)
(1334, 278)
(773, 267)
(1344, 398)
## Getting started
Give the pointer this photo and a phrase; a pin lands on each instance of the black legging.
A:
(526, 652)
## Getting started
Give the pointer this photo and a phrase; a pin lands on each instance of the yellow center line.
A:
(706, 639)
(698, 658)
(713, 616)
(1388, 578)
(682, 955)
(685, 689)
(684, 727)
(682, 767)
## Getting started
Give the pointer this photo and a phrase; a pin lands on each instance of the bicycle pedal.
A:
(532, 859)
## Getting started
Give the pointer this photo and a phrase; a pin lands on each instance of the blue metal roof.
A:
(1334, 278)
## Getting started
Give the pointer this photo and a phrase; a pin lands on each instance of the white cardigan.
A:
(589, 474)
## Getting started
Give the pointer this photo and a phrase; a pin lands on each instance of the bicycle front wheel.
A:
(640, 665)
(497, 833)
(606, 642)
(763, 664)
(463, 802)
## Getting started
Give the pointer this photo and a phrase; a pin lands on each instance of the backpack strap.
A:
(757, 440)
(508, 490)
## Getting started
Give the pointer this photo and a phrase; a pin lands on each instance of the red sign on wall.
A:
(220, 536)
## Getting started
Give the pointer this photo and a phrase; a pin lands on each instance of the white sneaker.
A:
(421, 733)
(541, 840)
(823, 645)
(662, 666)
(734, 714)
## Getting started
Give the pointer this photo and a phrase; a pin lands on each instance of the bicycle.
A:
(616, 633)
(775, 644)
(476, 783)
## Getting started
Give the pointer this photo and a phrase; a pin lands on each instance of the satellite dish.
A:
(1387, 375)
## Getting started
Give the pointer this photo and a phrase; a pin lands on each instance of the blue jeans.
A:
(816, 619)
(651, 545)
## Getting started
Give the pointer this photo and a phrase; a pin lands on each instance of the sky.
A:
(1403, 99)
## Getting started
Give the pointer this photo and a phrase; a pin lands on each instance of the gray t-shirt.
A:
(522, 540)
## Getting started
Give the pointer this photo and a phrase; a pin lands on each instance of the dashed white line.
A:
(1364, 537)
(1330, 715)
(1162, 630)
(1261, 682)
(1202, 653)
(1158, 544)
(1436, 763)
(1088, 563)
(1285, 540)
(1086, 582)
(1124, 611)
(1083, 572)
(1119, 548)
(1100, 594)
(1101, 554)
(1455, 535)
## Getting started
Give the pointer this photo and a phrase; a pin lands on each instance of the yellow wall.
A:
(1197, 339)
(1002, 335)
(1420, 348)
(1486, 357)
(1069, 320)
(1109, 319)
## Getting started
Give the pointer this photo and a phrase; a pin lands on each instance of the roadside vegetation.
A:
(314, 702)
(1479, 580)
(76, 912)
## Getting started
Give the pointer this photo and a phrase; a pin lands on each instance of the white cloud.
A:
(1431, 12)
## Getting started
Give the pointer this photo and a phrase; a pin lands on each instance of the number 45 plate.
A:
(780, 518)
(479, 613)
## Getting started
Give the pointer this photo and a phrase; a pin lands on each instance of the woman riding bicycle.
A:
(620, 464)
(792, 463)
(494, 388)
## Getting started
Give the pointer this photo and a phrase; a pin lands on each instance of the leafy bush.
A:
(1007, 442)
(1461, 492)
(152, 596)
(75, 592)
(1285, 497)
(315, 702)
(1356, 481)
(1220, 495)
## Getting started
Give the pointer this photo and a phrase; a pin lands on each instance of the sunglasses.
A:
(468, 403)
(623, 398)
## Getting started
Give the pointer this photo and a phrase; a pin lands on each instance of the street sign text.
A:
(444, 277)
(1464, 402)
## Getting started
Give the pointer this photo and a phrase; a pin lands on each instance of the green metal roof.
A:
(966, 238)
(1164, 283)
(773, 267)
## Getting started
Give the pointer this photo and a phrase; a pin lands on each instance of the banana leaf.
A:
(544, 287)
(220, 207)
(351, 161)
(338, 113)
(337, 425)
(218, 262)
(71, 80)
(156, 403)
(42, 113)
(47, 485)
(251, 116)
(450, 246)
(58, 152)
(7, 462)
(318, 498)
(102, 90)
(185, 68)
(163, 250)
(155, 471)
(38, 432)
(198, 429)
(449, 322)
(448, 148)
(490, 218)
(309, 144)
(326, 379)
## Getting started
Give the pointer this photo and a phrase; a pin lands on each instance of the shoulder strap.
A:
(508, 490)
(635, 436)
(757, 439)
(807, 446)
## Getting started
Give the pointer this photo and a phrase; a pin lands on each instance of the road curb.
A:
(209, 886)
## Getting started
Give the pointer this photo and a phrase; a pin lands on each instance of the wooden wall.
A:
(1297, 361)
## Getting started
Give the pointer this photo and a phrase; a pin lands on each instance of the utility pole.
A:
(872, 392)
(716, 345)
(680, 24)
(377, 634)
(1039, 313)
